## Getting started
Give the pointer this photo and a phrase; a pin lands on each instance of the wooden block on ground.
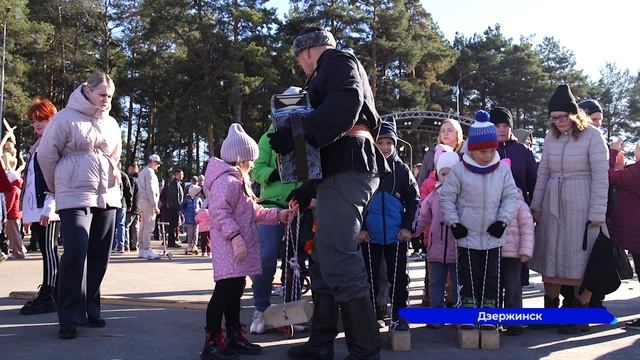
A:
(489, 339)
(296, 312)
(469, 339)
(400, 340)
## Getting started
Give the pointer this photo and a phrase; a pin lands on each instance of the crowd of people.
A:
(480, 209)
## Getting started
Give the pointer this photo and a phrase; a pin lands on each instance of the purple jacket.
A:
(442, 244)
(623, 223)
(523, 166)
(232, 212)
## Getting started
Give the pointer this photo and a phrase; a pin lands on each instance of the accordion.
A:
(303, 163)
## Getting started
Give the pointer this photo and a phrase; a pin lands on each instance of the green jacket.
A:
(264, 165)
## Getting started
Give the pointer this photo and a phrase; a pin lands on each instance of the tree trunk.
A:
(129, 156)
(210, 139)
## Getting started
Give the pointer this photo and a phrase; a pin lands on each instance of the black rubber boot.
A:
(238, 343)
(215, 347)
(572, 329)
(43, 303)
(568, 296)
(468, 303)
(324, 329)
(360, 329)
(489, 304)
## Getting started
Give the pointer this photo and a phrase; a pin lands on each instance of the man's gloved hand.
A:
(459, 231)
(497, 229)
(281, 140)
(302, 196)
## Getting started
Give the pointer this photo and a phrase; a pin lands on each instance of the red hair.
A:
(41, 109)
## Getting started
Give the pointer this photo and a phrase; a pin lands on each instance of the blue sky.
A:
(596, 31)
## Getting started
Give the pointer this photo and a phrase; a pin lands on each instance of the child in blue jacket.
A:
(388, 225)
(190, 207)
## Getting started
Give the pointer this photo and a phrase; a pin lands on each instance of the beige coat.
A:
(148, 187)
(79, 154)
(571, 189)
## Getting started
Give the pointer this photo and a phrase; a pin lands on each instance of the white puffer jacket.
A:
(478, 200)
(79, 154)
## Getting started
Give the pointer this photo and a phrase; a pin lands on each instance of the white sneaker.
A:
(151, 255)
(3, 256)
(142, 254)
(277, 291)
(257, 325)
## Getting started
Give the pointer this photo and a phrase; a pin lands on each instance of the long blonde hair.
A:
(579, 123)
(456, 126)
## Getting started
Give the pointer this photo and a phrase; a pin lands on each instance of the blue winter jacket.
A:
(394, 205)
(190, 207)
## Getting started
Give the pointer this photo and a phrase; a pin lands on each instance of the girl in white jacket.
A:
(478, 201)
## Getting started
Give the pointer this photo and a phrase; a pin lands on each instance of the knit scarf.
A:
(474, 167)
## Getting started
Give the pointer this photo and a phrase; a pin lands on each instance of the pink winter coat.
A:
(442, 244)
(232, 212)
(520, 232)
(202, 220)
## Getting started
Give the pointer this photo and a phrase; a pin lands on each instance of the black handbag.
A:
(601, 275)
(621, 261)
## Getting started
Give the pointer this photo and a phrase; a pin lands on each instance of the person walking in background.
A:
(233, 215)
(148, 196)
(78, 156)
(39, 210)
(175, 196)
(133, 214)
(190, 207)
(120, 237)
(202, 221)
(12, 192)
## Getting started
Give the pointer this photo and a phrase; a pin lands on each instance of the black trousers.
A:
(398, 289)
(225, 301)
(174, 216)
(47, 238)
(87, 233)
(472, 265)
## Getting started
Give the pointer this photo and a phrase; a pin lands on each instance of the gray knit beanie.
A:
(312, 37)
(238, 145)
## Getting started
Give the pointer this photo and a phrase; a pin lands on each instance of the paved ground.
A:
(155, 310)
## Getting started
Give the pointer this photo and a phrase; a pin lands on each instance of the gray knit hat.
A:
(238, 145)
(312, 37)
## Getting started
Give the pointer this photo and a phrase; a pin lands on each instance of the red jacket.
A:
(11, 195)
(623, 223)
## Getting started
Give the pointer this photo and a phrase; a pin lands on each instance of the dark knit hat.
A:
(500, 115)
(563, 100)
(388, 131)
(590, 106)
(238, 145)
(482, 134)
(312, 37)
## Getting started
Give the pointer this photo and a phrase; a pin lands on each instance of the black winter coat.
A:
(523, 166)
(341, 97)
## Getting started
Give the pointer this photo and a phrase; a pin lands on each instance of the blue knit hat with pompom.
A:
(482, 134)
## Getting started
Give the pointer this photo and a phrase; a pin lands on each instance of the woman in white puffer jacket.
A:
(79, 155)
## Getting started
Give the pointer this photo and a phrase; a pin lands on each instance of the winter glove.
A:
(239, 248)
(497, 229)
(459, 231)
(281, 140)
(274, 176)
(302, 195)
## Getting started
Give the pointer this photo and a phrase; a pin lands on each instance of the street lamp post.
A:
(458, 90)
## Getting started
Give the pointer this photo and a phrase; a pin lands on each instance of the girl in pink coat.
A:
(233, 218)
(202, 221)
(441, 254)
